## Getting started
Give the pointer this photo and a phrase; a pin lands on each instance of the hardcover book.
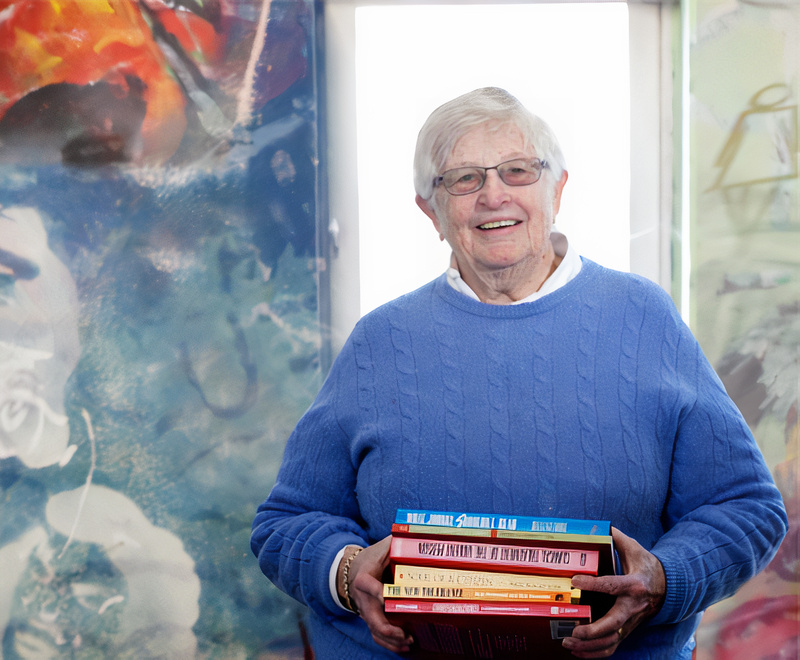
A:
(462, 519)
(468, 554)
(487, 630)
(607, 563)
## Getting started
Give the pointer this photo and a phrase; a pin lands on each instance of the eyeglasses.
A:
(466, 180)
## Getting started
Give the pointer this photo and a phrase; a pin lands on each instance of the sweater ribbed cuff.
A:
(673, 609)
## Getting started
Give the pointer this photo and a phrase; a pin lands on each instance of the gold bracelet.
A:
(346, 580)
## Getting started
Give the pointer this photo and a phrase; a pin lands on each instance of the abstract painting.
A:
(160, 326)
(745, 250)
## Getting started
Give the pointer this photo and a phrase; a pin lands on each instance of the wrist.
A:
(345, 577)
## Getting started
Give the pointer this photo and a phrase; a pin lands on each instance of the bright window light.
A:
(566, 62)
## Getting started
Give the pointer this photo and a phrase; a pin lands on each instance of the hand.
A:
(366, 593)
(640, 593)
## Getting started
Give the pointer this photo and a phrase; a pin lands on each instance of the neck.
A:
(505, 286)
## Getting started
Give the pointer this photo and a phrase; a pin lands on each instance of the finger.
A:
(640, 593)
(387, 635)
(596, 647)
(627, 549)
(620, 537)
(585, 582)
(383, 632)
(371, 607)
(394, 639)
(607, 584)
(608, 625)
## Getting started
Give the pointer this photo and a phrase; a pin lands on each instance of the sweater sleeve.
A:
(312, 511)
(724, 517)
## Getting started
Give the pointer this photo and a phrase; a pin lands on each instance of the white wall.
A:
(388, 69)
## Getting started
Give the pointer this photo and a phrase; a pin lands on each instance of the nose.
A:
(494, 191)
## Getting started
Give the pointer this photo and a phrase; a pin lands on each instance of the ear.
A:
(559, 187)
(427, 209)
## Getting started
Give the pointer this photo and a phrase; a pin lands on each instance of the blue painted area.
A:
(192, 347)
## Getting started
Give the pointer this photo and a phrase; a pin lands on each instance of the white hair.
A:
(450, 122)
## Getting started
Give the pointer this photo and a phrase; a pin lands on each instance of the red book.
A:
(467, 553)
(487, 630)
(603, 545)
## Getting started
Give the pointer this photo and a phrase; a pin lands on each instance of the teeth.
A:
(499, 223)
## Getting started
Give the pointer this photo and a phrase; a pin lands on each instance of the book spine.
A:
(500, 522)
(486, 608)
(472, 593)
(464, 553)
(450, 577)
(403, 529)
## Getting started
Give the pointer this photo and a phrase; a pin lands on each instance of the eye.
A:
(462, 179)
(519, 172)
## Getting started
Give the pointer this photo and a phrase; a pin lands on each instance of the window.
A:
(391, 64)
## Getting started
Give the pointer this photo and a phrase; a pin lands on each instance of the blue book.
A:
(458, 519)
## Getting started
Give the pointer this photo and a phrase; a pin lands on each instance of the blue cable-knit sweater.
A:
(593, 402)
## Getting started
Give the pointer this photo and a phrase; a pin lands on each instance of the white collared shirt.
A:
(569, 267)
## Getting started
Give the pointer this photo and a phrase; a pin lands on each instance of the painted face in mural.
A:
(39, 349)
(499, 227)
(38, 342)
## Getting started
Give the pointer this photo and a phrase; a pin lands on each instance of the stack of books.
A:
(488, 586)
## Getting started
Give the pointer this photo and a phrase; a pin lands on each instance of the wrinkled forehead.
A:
(488, 144)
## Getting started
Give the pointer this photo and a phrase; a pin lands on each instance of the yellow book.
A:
(451, 577)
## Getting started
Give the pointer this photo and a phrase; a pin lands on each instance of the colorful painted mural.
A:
(160, 330)
(745, 254)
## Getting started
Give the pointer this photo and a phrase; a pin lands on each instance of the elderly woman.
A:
(524, 380)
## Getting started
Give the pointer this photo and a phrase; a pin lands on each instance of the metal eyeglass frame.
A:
(483, 170)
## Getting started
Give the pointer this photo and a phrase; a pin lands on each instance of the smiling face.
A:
(500, 235)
